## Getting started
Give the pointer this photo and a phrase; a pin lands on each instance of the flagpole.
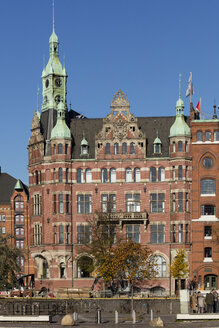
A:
(191, 90)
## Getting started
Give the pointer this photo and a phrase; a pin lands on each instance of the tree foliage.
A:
(180, 266)
(104, 234)
(127, 261)
(9, 267)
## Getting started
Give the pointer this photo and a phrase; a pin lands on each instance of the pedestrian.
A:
(215, 305)
(194, 302)
(209, 302)
(200, 302)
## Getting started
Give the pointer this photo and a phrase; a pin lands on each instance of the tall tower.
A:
(54, 75)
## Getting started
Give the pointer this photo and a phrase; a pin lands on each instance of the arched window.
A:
(128, 175)
(161, 174)
(45, 269)
(104, 175)
(160, 266)
(37, 177)
(54, 149)
(174, 147)
(61, 234)
(59, 148)
(19, 203)
(137, 174)
(124, 148)
(112, 175)
(66, 175)
(207, 186)
(153, 174)
(199, 136)
(116, 148)
(132, 148)
(60, 175)
(88, 176)
(60, 203)
(80, 176)
(62, 270)
(85, 267)
(180, 146)
(180, 172)
(107, 148)
(208, 136)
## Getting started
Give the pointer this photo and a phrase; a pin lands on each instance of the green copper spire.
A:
(61, 130)
(54, 75)
(179, 127)
(18, 185)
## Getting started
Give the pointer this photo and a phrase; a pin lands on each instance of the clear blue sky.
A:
(139, 46)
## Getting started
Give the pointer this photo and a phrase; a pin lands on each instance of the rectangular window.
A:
(208, 136)
(207, 210)
(108, 203)
(67, 234)
(216, 135)
(55, 234)
(180, 202)
(208, 231)
(174, 232)
(67, 204)
(157, 233)
(84, 204)
(208, 252)
(180, 233)
(61, 234)
(207, 186)
(187, 202)
(3, 218)
(3, 230)
(133, 232)
(174, 202)
(109, 233)
(157, 203)
(83, 234)
(174, 173)
(66, 149)
(54, 204)
(186, 233)
(180, 172)
(60, 203)
(132, 202)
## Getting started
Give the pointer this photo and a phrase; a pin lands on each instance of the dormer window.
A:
(157, 145)
(84, 146)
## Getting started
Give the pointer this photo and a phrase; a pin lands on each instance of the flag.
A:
(198, 107)
(190, 90)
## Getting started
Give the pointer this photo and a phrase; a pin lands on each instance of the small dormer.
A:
(84, 147)
(157, 145)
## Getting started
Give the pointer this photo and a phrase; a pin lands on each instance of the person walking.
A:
(200, 302)
(194, 302)
(209, 302)
(215, 305)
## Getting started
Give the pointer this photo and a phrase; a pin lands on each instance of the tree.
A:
(127, 261)
(103, 234)
(180, 266)
(9, 267)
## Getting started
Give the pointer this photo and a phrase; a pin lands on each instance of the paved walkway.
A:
(87, 320)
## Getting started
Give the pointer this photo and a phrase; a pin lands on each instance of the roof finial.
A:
(53, 25)
(179, 85)
(215, 112)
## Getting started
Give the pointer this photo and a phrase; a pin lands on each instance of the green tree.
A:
(9, 267)
(180, 266)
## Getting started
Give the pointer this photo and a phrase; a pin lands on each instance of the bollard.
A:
(98, 316)
(152, 317)
(75, 316)
(134, 316)
(116, 317)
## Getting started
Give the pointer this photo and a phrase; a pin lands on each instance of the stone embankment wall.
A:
(33, 306)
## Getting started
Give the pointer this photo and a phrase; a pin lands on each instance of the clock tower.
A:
(54, 76)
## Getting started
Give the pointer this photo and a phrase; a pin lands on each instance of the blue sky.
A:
(139, 46)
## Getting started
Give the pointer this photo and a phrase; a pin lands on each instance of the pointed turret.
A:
(54, 75)
(61, 130)
(179, 127)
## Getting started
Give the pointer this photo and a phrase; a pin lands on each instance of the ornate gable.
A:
(119, 128)
(36, 141)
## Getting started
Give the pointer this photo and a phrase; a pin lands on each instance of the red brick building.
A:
(14, 217)
(205, 197)
(142, 166)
